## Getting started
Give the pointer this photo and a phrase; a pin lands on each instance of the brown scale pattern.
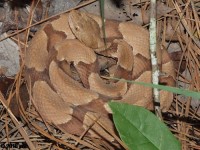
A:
(64, 71)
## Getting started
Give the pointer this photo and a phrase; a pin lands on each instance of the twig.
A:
(154, 61)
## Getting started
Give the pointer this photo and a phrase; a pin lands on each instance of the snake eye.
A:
(77, 28)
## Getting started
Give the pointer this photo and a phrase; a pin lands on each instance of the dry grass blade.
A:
(15, 121)
(182, 118)
(184, 22)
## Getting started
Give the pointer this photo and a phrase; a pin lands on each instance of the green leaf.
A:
(142, 130)
(166, 88)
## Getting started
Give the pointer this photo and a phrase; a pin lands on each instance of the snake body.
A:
(67, 59)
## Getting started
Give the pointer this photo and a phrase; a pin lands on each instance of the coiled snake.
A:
(67, 59)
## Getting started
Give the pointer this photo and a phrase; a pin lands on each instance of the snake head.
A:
(85, 29)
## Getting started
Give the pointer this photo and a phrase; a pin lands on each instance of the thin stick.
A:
(154, 61)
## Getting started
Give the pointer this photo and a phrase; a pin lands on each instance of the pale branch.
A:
(154, 60)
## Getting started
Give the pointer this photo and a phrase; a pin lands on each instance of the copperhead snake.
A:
(67, 58)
